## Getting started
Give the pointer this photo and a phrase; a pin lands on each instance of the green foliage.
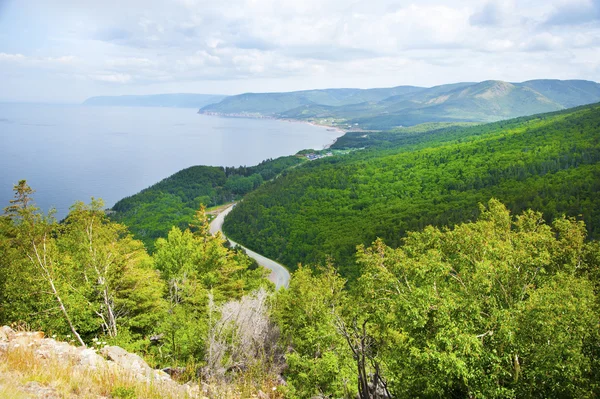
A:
(122, 392)
(151, 213)
(548, 162)
(391, 108)
(86, 277)
(494, 308)
(307, 313)
(195, 267)
(269, 104)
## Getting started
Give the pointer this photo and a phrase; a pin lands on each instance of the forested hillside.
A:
(384, 109)
(550, 163)
(504, 306)
(87, 278)
(151, 213)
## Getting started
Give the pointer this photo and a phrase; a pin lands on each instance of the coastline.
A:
(330, 128)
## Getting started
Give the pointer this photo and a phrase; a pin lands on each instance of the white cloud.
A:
(12, 57)
(544, 41)
(38, 61)
(112, 78)
(143, 45)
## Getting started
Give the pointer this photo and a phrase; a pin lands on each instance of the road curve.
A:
(279, 274)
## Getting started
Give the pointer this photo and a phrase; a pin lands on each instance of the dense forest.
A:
(504, 306)
(151, 213)
(404, 182)
(87, 276)
(445, 262)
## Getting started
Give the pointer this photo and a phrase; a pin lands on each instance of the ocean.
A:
(71, 153)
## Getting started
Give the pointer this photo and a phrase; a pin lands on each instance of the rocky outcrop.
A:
(111, 358)
(134, 364)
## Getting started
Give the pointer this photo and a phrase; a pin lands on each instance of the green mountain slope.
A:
(152, 212)
(184, 100)
(382, 109)
(272, 104)
(549, 162)
(570, 93)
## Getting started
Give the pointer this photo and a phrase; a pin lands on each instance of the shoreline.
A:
(257, 116)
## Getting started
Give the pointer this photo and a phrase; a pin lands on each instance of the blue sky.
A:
(68, 50)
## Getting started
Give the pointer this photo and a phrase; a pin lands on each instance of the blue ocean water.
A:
(71, 153)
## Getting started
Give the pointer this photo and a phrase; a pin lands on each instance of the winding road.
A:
(279, 274)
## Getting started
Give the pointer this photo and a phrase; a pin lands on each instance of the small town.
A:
(312, 156)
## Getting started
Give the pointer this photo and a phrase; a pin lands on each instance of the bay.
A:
(73, 153)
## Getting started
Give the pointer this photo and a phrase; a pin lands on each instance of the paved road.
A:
(279, 274)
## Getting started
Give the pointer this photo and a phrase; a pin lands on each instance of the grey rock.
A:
(89, 358)
(129, 361)
(6, 333)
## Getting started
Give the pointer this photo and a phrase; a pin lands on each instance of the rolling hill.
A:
(274, 104)
(323, 210)
(382, 109)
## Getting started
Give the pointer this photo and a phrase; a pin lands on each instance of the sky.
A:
(65, 51)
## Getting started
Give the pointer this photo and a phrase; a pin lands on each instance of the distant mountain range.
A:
(388, 108)
(183, 100)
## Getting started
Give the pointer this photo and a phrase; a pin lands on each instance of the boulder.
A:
(6, 333)
(129, 361)
(89, 358)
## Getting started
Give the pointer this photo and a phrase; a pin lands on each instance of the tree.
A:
(494, 308)
(195, 265)
(319, 360)
(88, 270)
(114, 274)
(34, 238)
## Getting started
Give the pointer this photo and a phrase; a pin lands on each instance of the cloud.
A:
(489, 15)
(38, 61)
(112, 78)
(543, 42)
(12, 57)
(575, 12)
(138, 45)
(119, 35)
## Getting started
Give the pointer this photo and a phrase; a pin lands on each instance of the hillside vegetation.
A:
(504, 306)
(550, 163)
(151, 213)
(384, 109)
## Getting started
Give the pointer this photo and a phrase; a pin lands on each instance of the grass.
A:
(19, 366)
(23, 374)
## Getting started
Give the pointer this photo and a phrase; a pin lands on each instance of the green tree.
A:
(308, 313)
(86, 277)
(195, 266)
(113, 272)
(495, 308)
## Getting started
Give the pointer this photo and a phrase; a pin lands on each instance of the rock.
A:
(129, 361)
(89, 358)
(6, 333)
(82, 359)
(40, 391)
(161, 375)
(50, 348)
